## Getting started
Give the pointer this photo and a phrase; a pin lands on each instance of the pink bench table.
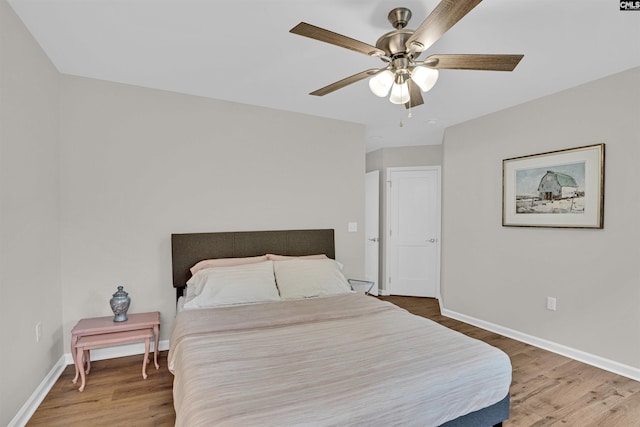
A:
(99, 332)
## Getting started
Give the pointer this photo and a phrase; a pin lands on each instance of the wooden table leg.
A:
(87, 360)
(79, 367)
(156, 333)
(74, 340)
(146, 358)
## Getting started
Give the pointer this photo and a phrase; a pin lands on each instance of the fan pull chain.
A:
(401, 122)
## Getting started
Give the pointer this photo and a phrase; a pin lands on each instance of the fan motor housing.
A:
(394, 43)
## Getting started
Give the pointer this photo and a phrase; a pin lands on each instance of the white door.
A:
(413, 231)
(372, 218)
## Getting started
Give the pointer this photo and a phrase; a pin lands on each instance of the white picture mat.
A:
(592, 157)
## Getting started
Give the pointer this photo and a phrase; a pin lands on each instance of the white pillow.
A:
(241, 284)
(308, 278)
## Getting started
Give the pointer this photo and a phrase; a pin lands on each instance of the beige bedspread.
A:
(342, 360)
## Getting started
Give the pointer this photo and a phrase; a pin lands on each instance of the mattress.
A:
(341, 360)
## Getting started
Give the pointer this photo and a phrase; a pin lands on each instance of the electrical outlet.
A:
(551, 303)
(38, 331)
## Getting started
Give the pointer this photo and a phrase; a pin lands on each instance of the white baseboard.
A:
(36, 398)
(30, 406)
(572, 353)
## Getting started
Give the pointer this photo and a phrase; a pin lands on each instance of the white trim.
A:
(30, 406)
(579, 355)
(36, 398)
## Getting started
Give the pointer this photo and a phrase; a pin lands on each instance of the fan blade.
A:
(446, 14)
(474, 62)
(415, 96)
(317, 33)
(345, 82)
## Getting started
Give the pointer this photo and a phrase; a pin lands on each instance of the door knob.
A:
(374, 239)
(432, 240)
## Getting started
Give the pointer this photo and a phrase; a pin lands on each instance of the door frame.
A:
(387, 218)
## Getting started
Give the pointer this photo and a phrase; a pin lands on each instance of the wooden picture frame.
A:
(562, 189)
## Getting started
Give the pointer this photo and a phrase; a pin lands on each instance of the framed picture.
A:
(562, 188)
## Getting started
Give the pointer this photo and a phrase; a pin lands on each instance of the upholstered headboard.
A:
(188, 249)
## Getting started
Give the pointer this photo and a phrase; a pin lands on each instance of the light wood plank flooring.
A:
(547, 389)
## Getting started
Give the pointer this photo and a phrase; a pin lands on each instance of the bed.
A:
(340, 358)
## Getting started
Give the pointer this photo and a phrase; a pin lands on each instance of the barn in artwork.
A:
(556, 185)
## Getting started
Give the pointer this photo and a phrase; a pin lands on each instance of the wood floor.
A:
(547, 389)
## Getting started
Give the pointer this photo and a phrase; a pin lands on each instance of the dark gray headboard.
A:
(188, 249)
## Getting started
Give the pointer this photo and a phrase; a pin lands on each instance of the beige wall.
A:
(30, 290)
(380, 160)
(139, 164)
(503, 275)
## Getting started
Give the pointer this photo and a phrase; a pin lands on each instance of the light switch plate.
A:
(353, 227)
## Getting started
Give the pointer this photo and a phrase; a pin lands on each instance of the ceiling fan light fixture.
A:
(399, 93)
(424, 77)
(403, 75)
(381, 83)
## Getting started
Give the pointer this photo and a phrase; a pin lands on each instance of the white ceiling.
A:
(241, 50)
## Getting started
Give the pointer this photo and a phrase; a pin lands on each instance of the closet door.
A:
(372, 227)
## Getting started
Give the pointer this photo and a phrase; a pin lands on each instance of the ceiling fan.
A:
(404, 75)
